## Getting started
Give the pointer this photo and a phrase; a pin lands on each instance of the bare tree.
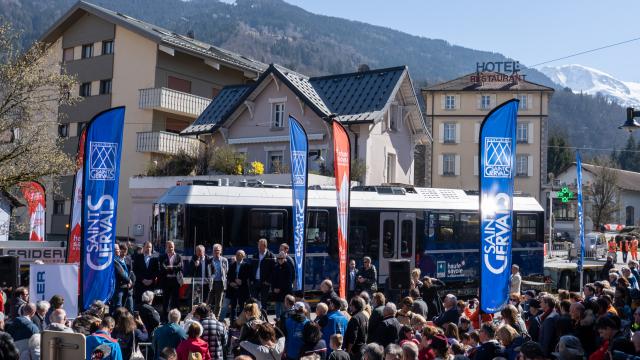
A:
(603, 191)
(32, 87)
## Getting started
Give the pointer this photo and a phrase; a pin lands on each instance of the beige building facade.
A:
(456, 109)
(165, 80)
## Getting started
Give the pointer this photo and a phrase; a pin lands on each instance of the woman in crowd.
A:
(510, 339)
(404, 315)
(128, 331)
(281, 281)
(253, 317)
(430, 287)
(193, 344)
(406, 335)
(451, 333)
(511, 317)
(268, 348)
(312, 342)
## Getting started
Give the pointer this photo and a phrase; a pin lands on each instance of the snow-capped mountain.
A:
(591, 81)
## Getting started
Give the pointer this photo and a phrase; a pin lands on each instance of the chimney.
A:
(190, 34)
(363, 68)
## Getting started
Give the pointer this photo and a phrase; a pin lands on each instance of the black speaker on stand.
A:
(9, 272)
(399, 274)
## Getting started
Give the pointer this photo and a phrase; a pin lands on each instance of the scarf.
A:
(545, 314)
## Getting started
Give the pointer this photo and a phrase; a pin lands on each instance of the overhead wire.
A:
(586, 51)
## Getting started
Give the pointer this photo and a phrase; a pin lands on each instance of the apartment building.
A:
(456, 109)
(165, 80)
(379, 108)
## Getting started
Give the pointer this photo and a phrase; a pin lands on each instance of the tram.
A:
(437, 230)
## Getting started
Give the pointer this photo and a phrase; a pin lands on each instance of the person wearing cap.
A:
(533, 322)
(281, 281)
(294, 326)
(440, 346)
(569, 348)
(489, 347)
(531, 350)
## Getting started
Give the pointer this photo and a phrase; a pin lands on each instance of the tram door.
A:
(397, 240)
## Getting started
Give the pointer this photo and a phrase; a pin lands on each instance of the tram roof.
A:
(421, 198)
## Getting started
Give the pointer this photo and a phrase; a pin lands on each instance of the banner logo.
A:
(103, 161)
(299, 159)
(497, 157)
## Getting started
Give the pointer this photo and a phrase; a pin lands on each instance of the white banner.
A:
(47, 280)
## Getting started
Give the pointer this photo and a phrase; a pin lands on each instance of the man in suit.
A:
(170, 277)
(450, 314)
(146, 268)
(238, 283)
(201, 271)
(352, 279)
(263, 263)
(284, 247)
(220, 267)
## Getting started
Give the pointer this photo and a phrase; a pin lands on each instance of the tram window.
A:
(406, 238)
(469, 230)
(268, 224)
(364, 236)
(176, 220)
(317, 227)
(526, 227)
(389, 239)
(444, 227)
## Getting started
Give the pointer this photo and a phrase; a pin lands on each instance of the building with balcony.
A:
(165, 80)
(456, 109)
(378, 108)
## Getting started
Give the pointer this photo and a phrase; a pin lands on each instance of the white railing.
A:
(172, 101)
(162, 142)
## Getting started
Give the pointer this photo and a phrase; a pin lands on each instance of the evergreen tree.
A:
(559, 155)
(629, 156)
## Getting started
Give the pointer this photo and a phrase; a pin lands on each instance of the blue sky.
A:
(532, 32)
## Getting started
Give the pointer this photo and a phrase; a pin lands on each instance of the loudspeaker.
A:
(399, 274)
(9, 271)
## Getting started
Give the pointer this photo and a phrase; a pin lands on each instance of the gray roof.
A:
(221, 106)
(494, 82)
(627, 180)
(354, 97)
(358, 96)
(155, 33)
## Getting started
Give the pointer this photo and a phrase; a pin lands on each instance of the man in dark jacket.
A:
(377, 314)
(326, 286)
(489, 347)
(201, 271)
(367, 279)
(604, 273)
(450, 314)
(533, 322)
(355, 337)
(263, 263)
(124, 278)
(549, 319)
(419, 305)
(238, 284)
(352, 278)
(389, 330)
(582, 327)
(146, 268)
(150, 317)
(171, 277)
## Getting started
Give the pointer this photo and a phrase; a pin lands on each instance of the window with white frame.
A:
(449, 164)
(522, 165)
(277, 115)
(522, 133)
(524, 102)
(276, 161)
(485, 102)
(450, 102)
(449, 136)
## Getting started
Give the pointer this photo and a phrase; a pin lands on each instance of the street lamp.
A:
(631, 124)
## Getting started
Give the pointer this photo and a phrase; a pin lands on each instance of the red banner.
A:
(34, 194)
(342, 169)
(75, 233)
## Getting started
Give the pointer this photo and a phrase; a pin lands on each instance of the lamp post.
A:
(631, 124)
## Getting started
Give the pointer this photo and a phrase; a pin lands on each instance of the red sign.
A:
(342, 169)
(75, 235)
(34, 194)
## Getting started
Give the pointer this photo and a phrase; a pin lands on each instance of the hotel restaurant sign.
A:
(499, 72)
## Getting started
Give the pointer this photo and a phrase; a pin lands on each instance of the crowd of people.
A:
(247, 309)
